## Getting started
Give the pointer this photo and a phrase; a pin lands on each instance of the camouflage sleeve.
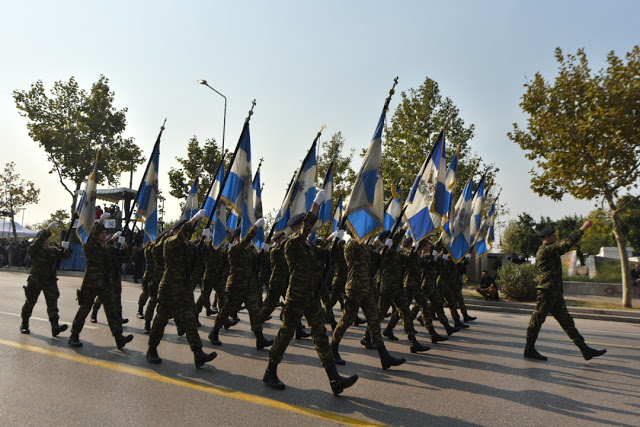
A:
(565, 245)
(397, 239)
(124, 254)
(66, 253)
(186, 231)
(308, 223)
(36, 245)
(244, 243)
(92, 240)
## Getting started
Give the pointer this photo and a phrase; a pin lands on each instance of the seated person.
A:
(487, 287)
(635, 275)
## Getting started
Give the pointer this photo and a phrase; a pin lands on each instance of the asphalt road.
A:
(478, 377)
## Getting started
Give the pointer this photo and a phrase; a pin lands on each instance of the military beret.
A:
(384, 236)
(279, 235)
(178, 224)
(317, 242)
(296, 219)
(407, 241)
(546, 232)
(39, 233)
(235, 232)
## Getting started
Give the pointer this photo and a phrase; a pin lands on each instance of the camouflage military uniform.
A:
(214, 264)
(430, 290)
(146, 278)
(156, 276)
(96, 282)
(550, 292)
(339, 279)
(42, 277)
(279, 281)
(461, 270)
(264, 274)
(302, 297)
(238, 289)
(358, 293)
(175, 292)
(116, 257)
(446, 283)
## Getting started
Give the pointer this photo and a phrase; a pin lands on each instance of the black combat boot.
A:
(333, 324)
(587, 352)
(124, 320)
(338, 383)
(140, 313)
(24, 326)
(435, 337)
(301, 333)
(147, 327)
(416, 347)
(458, 324)
(388, 360)
(230, 322)
(531, 353)
(56, 329)
(388, 332)
(180, 328)
(420, 320)
(74, 341)
(261, 341)
(200, 357)
(366, 341)
(450, 329)
(359, 321)
(94, 316)
(122, 340)
(336, 354)
(468, 318)
(271, 377)
(152, 355)
(213, 336)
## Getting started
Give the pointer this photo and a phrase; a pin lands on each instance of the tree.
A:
(72, 124)
(600, 233)
(62, 218)
(16, 193)
(583, 133)
(343, 175)
(520, 236)
(630, 217)
(201, 161)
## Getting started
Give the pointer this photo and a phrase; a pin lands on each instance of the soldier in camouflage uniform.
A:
(117, 256)
(156, 273)
(238, 289)
(175, 293)
(279, 280)
(550, 293)
(146, 278)
(446, 283)
(338, 280)
(42, 278)
(462, 267)
(303, 299)
(212, 280)
(96, 282)
(414, 267)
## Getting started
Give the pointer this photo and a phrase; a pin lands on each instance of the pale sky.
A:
(306, 64)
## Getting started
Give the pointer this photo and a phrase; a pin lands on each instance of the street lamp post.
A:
(224, 123)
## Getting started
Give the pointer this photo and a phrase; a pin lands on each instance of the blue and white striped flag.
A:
(337, 215)
(452, 175)
(147, 200)
(191, 205)
(86, 210)
(483, 243)
(258, 241)
(460, 242)
(325, 211)
(393, 210)
(426, 203)
(476, 209)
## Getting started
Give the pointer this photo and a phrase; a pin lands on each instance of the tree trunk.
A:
(13, 225)
(622, 248)
(74, 200)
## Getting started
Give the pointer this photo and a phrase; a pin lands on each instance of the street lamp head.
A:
(203, 82)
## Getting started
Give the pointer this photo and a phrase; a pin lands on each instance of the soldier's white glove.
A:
(266, 247)
(206, 233)
(376, 240)
(260, 223)
(467, 256)
(65, 245)
(52, 226)
(121, 240)
(117, 234)
(339, 234)
(104, 216)
(434, 253)
(320, 197)
(445, 257)
(388, 243)
(199, 214)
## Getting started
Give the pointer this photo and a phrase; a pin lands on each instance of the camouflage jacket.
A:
(158, 259)
(214, 263)
(241, 263)
(447, 276)
(392, 264)
(340, 267)
(548, 263)
(429, 272)
(44, 261)
(358, 263)
(148, 257)
(413, 269)
(302, 261)
(177, 261)
(116, 258)
(97, 258)
(279, 268)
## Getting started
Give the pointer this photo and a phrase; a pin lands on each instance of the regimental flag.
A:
(365, 211)
(214, 189)
(232, 221)
(393, 209)
(86, 210)
(460, 242)
(450, 182)
(258, 241)
(486, 236)
(476, 209)
(284, 214)
(219, 228)
(426, 203)
(147, 198)
(191, 206)
(324, 213)
(238, 189)
(219, 217)
(337, 216)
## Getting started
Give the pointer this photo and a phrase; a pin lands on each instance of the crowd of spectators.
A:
(13, 254)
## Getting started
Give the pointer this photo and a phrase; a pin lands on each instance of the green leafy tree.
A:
(583, 133)
(71, 124)
(62, 218)
(520, 236)
(16, 193)
(630, 216)
(600, 233)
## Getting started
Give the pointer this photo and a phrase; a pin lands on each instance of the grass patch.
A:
(607, 271)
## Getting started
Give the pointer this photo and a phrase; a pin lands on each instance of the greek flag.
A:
(147, 199)
(214, 189)
(337, 216)
(86, 210)
(219, 218)
(485, 236)
(324, 213)
(460, 242)
(426, 203)
(191, 206)
(452, 172)
(365, 210)
(258, 241)
(238, 190)
(476, 209)
(393, 210)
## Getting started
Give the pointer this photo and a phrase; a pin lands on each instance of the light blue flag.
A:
(337, 216)
(476, 209)
(214, 190)
(483, 243)
(147, 199)
(238, 190)
(460, 242)
(232, 221)
(191, 206)
(426, 203)
(393, 210)
(365, 210)
(324, 213)
(86, 210)
(219, 221)
(452, 175)
(258, 241)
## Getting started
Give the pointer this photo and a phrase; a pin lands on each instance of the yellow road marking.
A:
(238, 395)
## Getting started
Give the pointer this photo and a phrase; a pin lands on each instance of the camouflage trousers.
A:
(291, 316)
(354, 301)
(208, 286)
(422, 304)
(233, 302)
(460, 298)
(274, 293)
(144, 296)
(436, 304)
(86, 297)
(117, 299)
(336, 295)
(396, 296)
(49, 287)
(446, 291)
(176, 302)
(153, 301)
(551, 301)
